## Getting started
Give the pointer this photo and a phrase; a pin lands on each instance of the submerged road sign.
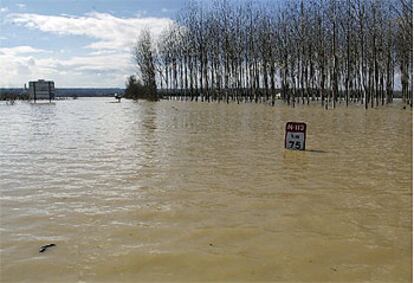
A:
(295, 135)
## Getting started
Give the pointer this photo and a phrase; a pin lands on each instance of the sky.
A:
(76, 43)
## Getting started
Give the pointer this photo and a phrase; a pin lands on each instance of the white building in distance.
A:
(42, 89)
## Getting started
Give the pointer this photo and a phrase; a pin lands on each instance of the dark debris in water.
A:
(45, 247)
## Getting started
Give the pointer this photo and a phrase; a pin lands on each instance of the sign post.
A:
(295, 135)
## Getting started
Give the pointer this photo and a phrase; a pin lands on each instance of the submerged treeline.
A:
(333, 51)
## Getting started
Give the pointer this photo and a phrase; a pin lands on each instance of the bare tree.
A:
(145, 60)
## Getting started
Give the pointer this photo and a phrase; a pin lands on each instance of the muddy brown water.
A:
(181, 191)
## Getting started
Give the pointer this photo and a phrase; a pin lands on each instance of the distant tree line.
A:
(13, 94)
(332, 51)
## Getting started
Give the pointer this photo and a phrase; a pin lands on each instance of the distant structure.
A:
(42, 89)
(118, 96)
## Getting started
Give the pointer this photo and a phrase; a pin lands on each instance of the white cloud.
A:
(22, 49)
(79, 71)
(21, 6)
(4, 9)
(107, 64)
(110, 32)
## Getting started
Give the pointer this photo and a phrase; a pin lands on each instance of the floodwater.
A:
(186, 191)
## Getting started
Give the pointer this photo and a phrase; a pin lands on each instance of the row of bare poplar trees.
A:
(333, 51)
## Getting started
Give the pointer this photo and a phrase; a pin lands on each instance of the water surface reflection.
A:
(192, 191)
